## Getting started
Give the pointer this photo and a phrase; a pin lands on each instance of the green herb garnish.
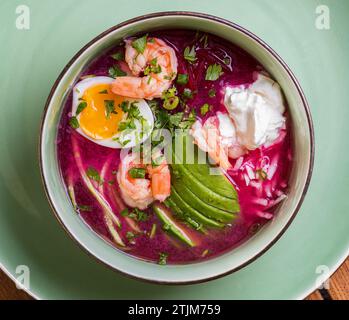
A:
(93, 174)
(175, 119)
(226, 60)
(124, 212)
(130, 235)
(118, 56)
(212, 93)
(182, 78)
(140, 44)
(153, 67)
(163, 258)
(187, 93)
(105, 91)
(82, 105)
(73, 122)
(171, 103)
(115, 71)
(204, 109)
(190, 54)
(137, 173)
(213, 72)
(109, 108)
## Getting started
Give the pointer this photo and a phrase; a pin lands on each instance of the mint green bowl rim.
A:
(217, 20)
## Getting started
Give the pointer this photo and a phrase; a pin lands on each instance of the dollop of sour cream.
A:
(257, 111)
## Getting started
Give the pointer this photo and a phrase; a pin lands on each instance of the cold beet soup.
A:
(175, 146)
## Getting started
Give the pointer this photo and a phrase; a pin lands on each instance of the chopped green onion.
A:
(171, 103)
(105, 91)
(204, 109)
(187, 93)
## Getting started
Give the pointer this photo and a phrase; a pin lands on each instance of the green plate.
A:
(316, 242)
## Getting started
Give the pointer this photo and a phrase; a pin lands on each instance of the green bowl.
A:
(303, 142)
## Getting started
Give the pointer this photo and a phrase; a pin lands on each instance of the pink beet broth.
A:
(256, 199)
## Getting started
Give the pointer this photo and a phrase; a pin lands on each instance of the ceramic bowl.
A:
(303, 142)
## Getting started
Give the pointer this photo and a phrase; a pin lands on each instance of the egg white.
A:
(133, 136)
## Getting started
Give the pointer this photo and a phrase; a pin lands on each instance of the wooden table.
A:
(339, 287)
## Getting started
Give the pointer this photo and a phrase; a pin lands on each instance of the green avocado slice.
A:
(171, 226)
(218, 183)
(180, 214)
(188, 210)
(183, 176)
(209, 211)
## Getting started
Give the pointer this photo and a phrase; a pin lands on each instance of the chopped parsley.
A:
(212, 93)
(135, 214)
(93, 174)
(163, 258)
(82, 105)
(124, 212)
(73, 122)
(153, 67)
(118, 56)
(105, 91)
(109, 108)
(130, 235)
(182, 78)
(204, 109)
(140, 44)
(137, 173)
(213, 72)
(187, 93)
(190, 54)
(115, 71)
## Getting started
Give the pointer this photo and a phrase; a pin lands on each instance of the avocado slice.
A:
(181, 215)
(183, 176)
(201, 171)
(171, 226)
(211, 212)
(193, 213)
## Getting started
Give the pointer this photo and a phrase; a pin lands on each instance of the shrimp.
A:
(158, 59)
(217, 137)
(141, 192)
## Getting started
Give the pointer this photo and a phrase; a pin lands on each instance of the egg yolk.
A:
(100, 119)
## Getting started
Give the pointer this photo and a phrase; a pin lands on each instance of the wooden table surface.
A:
(338, 287)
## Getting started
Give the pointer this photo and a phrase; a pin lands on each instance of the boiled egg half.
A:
(107, 119)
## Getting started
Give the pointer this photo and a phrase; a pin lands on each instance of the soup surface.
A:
(175, 146)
